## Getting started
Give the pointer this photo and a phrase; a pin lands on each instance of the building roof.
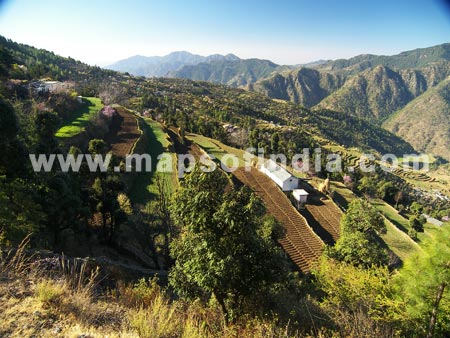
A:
(276, 170)
(432, 220)
(301, 192)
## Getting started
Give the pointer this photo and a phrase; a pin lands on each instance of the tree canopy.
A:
(225, 248)
(359, 243)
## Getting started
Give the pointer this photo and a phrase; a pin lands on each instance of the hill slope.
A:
(416, 58)
(305, 86)
(425, 121)
(229, 72)
(378, 92)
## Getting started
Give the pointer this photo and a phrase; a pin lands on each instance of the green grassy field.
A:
(216, 148)
(399, 242)
(402, 223)
(391, 214)
(145, 186)
(80, 118)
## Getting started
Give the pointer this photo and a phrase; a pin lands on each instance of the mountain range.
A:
(156, 66)
(405, 93)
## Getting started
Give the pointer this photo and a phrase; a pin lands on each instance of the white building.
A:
(432, 220)
(279, 175)
(300, 195)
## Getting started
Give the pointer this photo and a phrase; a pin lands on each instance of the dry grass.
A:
(69, 303)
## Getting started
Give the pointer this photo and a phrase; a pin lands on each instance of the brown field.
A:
(123, 134)
(326, 214)
(300, 242)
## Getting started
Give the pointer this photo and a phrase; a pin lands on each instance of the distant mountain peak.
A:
(151, 66)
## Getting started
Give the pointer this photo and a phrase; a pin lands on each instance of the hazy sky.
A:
(284, 31)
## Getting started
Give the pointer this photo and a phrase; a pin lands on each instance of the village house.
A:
(279, 175)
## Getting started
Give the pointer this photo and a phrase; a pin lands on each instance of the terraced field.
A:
(217, 148)
(80, 118)
(300, 242)
(156, 141)
(414, 175)
(327, 214)
(124, 132)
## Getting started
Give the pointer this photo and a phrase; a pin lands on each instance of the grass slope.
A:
(144, 187)
(80, 118)
(218, 149)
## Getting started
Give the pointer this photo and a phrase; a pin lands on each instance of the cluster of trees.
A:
(51, 203)
(40, 63)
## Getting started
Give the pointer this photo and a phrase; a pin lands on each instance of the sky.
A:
(284, 31)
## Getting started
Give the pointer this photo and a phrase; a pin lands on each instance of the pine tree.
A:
(424, 284)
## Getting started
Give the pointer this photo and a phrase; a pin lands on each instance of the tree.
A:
(398, 197)
(224, 249)
(360, 301)
(417, 222)
(12, 154)
(6, 61)
(359, 243)
(63, 205)
(416, 208)
(96, 146)
(423, 284)
(104, 199)
(386, 191)
(20, 215)
(367, 185)
(46, 125)
(275, 142)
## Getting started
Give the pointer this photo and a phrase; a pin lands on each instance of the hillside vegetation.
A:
(425, 121)
(233, 73)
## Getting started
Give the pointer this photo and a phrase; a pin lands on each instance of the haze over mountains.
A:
(151, 66)
(400, 92)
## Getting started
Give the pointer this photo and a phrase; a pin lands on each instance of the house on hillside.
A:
(279, 175)
(300, 196)
(433, 221)
(44, 86)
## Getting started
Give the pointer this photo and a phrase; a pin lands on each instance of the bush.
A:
(412, 233)
(49, 293)
(140, 295)
(160, 319)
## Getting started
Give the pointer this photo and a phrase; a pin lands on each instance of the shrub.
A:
(160, 319)
(49, 293)
(141, 294)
